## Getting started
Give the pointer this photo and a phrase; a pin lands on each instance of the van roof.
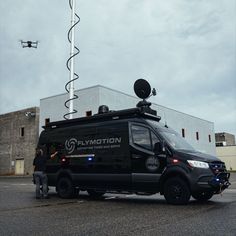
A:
(144, 112)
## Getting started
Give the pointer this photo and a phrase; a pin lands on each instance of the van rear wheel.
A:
(65, 188)
(95, 193)
(176, 191)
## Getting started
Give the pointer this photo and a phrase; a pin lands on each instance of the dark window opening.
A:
(183, 133)
(197, 135)
(22, 131)
(47, 120)
(209, 138)
(88, 113)
(219, 145)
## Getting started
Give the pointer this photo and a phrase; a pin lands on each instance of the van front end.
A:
(208, 177)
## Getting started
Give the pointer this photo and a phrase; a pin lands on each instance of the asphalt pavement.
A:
(22, 214)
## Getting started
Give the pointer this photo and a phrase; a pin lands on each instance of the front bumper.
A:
(205, 180)
(220, 182)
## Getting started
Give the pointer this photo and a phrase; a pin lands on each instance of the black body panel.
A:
(116, 152)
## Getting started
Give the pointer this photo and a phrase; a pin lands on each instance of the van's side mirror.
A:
(159, 148)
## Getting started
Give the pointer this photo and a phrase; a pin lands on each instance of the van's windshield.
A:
(176, 141)
(172, 137)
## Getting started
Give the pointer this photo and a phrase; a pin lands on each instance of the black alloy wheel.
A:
(176, 191)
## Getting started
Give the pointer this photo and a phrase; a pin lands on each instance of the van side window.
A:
(141, 136)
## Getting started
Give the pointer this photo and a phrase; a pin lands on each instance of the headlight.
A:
(198, 164)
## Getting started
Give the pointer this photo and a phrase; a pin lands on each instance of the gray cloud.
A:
(186, 49)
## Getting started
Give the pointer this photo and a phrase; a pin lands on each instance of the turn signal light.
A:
(175, 161)
(64, 160)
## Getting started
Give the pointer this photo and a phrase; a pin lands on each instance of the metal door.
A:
(19, 167)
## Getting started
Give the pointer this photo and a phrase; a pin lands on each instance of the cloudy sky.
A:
(186, 49)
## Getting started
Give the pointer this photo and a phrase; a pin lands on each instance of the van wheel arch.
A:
(172, 175)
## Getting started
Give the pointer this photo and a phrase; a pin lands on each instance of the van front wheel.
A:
(65, 188)
(176, 191)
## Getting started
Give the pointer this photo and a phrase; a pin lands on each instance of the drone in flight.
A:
(29, 44)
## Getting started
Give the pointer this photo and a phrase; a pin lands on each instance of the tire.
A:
(176, 191)
(65, 188)
(95, 193)
(202, 196)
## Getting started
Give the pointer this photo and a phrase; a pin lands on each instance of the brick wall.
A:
(18, 139)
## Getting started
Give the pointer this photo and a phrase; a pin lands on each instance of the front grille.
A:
(217, 167)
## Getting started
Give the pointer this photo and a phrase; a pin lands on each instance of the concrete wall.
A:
(14, 145)
(228, 155)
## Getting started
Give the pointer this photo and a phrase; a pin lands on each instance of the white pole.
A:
(71, 105)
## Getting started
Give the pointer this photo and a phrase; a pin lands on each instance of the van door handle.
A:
(135, 156)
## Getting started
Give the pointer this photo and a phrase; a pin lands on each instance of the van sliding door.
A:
(112, 157)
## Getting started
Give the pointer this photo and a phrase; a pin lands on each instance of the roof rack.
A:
(145, 112)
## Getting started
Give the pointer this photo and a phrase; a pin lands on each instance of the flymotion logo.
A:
(70, 145)
(101, 143)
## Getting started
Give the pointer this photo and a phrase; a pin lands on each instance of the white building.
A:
(198, 132)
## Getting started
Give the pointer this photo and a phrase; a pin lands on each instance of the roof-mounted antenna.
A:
(70, 63)
(154, 92)
(143, 90)
(166, 125)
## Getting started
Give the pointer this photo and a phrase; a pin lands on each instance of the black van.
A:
(129, 151)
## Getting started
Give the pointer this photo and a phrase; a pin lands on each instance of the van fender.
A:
(173, 171)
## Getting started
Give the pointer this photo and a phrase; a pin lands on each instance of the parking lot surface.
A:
(22, 214)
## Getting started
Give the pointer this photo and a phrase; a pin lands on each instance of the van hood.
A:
(198, 156)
